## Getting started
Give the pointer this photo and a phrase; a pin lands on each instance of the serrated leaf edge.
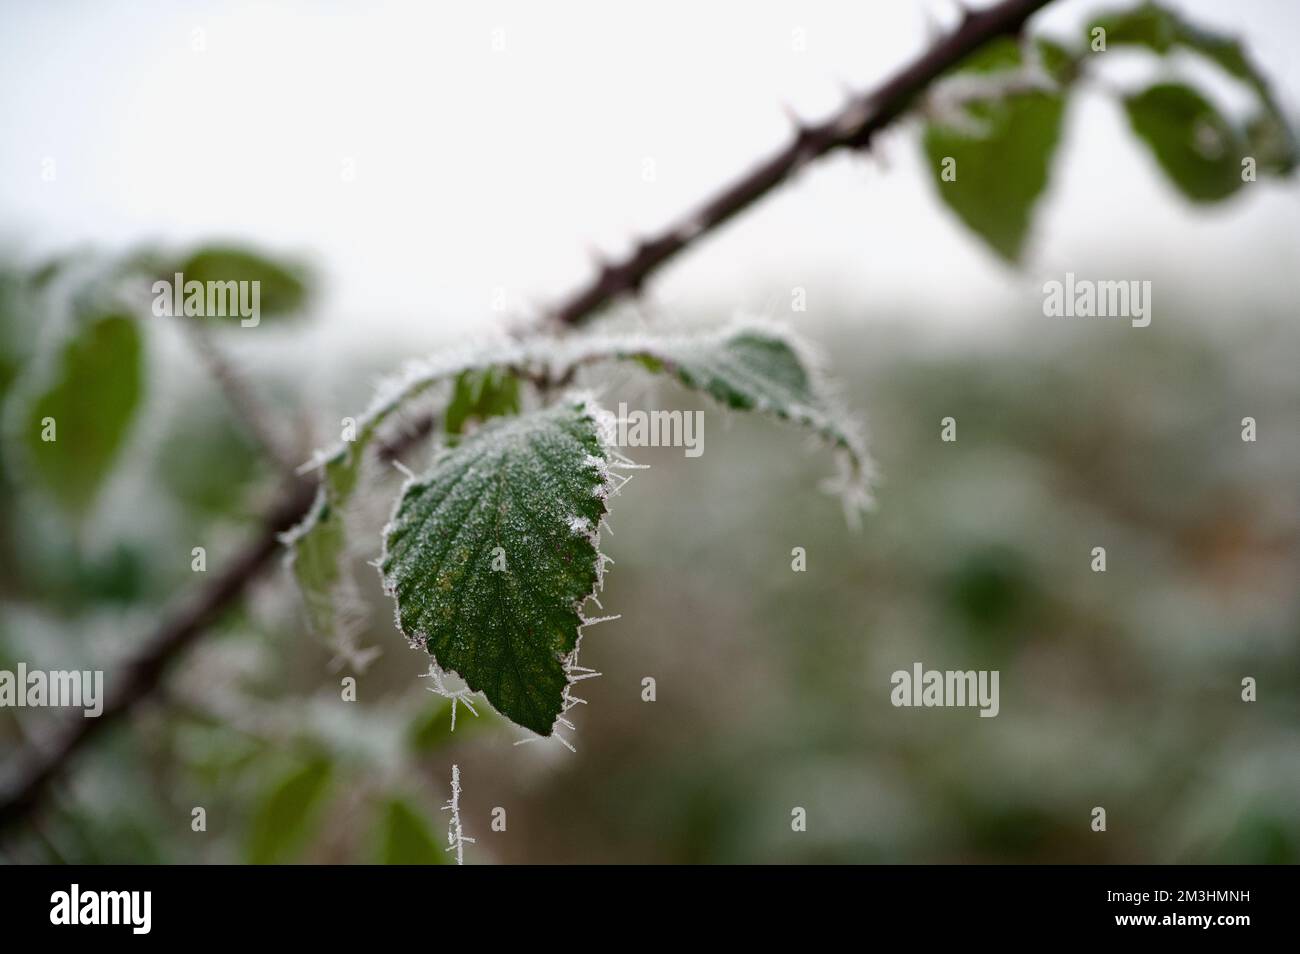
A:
(605, 426)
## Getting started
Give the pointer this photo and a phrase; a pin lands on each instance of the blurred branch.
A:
(37, 767)
(141, 674)
(852, 127)
(248, 408)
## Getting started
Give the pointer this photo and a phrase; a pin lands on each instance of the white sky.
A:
(477, 170)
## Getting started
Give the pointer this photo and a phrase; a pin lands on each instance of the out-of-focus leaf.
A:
(17, 322)
(206, 462)
(1196, 147)
(91, 395)
(1272, 143)
(491, 554)
(431, 729)
(405, 838)
(1269, 137)
(1160, 30)
(1002, 147)
(288, 812)
(480, 394)
(318, 565)
(282, 286)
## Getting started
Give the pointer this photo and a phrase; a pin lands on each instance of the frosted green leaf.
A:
(1000, 141)
(317, 544)
(749, 366)
(74, 426)
(752, 366)
(756, 366)
(481, 393)
(491, 554)
(317, 553)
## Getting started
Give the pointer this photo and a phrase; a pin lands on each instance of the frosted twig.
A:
(456, 837)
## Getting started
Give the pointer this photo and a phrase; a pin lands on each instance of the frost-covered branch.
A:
(456, 837)
(853, 127)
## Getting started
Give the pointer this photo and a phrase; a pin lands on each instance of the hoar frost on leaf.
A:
(748, 365)
(515, 490)
(317, 545)
(751, 365)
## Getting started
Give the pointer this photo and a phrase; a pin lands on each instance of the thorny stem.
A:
(853, 127)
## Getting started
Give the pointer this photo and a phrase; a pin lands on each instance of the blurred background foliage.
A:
(1119, 689)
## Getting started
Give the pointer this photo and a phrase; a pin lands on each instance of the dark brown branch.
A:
(141, 674)
(38, 766)
(853, 127)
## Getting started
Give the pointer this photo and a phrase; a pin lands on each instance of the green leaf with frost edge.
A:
(480, 394)
(534, 486)
(754, 366)
(748, 365)
(317, 544)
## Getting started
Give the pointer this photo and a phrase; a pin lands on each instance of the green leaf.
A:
(1002, 146)
(1268, 136)
(752, 366)
(282, 286)
(529, 490)
(1271, 141)
(1196, 147)
(480, 394)
(19, 316)
(317, 544)
(1160, 30)
(317, 549)
(431, 728)
(206, 461)
(1148, 25)
(90, 396)
(405, 838)
(288, 813)
(749, 366)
